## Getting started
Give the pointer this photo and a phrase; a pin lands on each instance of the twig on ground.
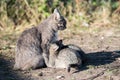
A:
(95, 76)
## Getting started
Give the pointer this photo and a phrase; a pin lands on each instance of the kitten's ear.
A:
(57, 14)
(59, 42)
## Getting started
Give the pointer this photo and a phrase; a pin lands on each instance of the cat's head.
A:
(59, 19)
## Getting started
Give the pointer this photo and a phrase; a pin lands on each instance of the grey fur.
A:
(32, 49)
(67, 56)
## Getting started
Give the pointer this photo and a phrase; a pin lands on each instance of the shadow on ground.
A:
(101, 58)
(6, 72)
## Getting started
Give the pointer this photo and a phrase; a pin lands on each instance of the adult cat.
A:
(32, 49)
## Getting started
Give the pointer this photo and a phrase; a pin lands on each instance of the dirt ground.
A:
(103, 57)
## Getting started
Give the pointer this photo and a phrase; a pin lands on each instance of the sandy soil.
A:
(103, 58)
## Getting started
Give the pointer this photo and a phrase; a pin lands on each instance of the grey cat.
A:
(32, 48)
(67, 56)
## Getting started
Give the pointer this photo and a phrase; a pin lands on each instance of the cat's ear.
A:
(57, 14)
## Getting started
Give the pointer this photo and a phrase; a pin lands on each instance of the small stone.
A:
(60, 77)
(102, 37)
(40, 74)
(118, 59)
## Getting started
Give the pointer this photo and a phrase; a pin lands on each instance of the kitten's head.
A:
(59, 19)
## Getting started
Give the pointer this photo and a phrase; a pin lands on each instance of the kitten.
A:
(67, 56)
(32, 48)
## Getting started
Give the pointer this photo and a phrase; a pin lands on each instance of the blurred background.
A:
(19, 14)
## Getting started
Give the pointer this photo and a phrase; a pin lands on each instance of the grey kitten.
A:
(32, 49)
(67, 56)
